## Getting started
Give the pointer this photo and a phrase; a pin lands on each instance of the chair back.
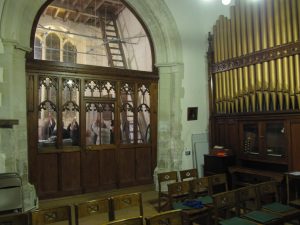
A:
(200, 186)
(163, 180)
(98, 208)
(218, 183)
(51, 215)
(225, 205)
(247, 199)
(178, 191)
(129, 221)
(126, 205)
(172, 217)
(188, 174)
(267, 192)
(14, 219)
(166, 177)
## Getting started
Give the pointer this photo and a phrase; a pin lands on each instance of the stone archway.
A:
(15, 27)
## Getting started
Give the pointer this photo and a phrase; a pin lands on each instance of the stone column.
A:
(170, 143)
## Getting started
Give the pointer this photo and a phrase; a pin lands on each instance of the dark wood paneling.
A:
(233, 136)
(143, 165)
(90, 170)
(295, 145)
(47, 169)
(70, 171)
(126, 173)
(108, 178)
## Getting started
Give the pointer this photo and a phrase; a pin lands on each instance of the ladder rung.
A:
(117, 60)
(115, 48)
(110, 30)
(114, 36)
(116, 54)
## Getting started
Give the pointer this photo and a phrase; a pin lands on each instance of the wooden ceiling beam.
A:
(56, 13)
(66, 16)
(71, 10)
(87, 4)
(99, 4)
(77, 17)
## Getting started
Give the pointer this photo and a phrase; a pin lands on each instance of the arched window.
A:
(52, 47)
(69, 53)
(106, 33)
(37, 48)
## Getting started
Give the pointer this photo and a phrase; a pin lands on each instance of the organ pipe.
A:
(252, 74)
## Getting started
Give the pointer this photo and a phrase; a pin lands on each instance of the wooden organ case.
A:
(254, 79)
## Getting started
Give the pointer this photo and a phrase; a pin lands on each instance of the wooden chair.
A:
(14, 219)
(218, 183)
(188, 174)
(179, 194)
(129, 221)
(293, 187)
(172, 217)
(127, 205)
(200, 188)
(269, 201)
(51, 215)
(248, 205)
(98, 208)
(165, 178)
(226, 210)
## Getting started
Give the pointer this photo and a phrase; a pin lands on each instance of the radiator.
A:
(11, 198)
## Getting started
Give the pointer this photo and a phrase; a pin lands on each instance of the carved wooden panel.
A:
(47, 178)
(295, 145)
(90, 170)
(70, 171)
(126, 161)
(143, 165)
(108, 168)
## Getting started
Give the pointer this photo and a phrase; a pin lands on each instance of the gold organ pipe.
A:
(257, 47)
(251, 74)
(239, 53)
(225, 42)
(219, 56)
(223, 80)
(295, 22)
(219, 77)
(215, 43)
(278, 41)
(218, 27)
(216, 81)
(223, 74)
(238, 28)
(264, 45)
(271, 34)
(229, 46)
(244, 52)
(285, 62)
(233, 47)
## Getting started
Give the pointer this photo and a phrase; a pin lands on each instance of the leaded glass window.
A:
(52, 47)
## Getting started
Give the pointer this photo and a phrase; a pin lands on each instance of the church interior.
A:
(100, 122)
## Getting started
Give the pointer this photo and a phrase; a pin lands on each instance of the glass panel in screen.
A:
(127, 113)
(251, 138)
(275, 139)
(47, 111)
(102, 89)
(143, 110)
(70, 112)
(99, 123)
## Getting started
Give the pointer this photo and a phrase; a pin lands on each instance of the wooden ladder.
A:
(113, 43)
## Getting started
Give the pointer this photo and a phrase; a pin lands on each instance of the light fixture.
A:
(226, 2)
